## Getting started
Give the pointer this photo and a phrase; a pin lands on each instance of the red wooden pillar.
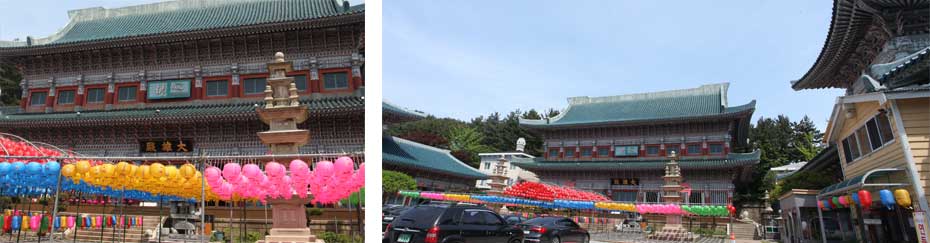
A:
(704, 149)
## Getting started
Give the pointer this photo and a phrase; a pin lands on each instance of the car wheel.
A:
(585, 238)
(556, 240)
(516, 241)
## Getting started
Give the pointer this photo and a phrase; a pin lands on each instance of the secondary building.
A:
(491, 161)
(434, 169)
(619, 145)
(879, 52)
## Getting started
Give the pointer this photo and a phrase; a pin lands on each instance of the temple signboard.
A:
(166, 146)
(168, 89)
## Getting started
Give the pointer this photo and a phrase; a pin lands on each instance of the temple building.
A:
(434, 169)
(619, 145)
(879, 52)
(185, 77)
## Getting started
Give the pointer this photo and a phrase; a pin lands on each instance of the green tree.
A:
(431, 131)
(780, 141)
(9, 84)
(393, 181)
(466, 143)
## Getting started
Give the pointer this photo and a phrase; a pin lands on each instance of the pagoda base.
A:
(290, 235)
(289, 222)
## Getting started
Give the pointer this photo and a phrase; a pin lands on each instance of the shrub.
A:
(330, 237)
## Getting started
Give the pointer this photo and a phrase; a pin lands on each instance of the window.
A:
(625, 196)
(254, 86)
(338, 80)
(491, 219)
(652, 197)
(716, 148)
(66, 97)
(871, 136)
(652, 150)
(586, 152)
(863, 137)
(884, 128)
(603, 152)
(127, 93)
(301, 82)
(669, 148)
(217, 88)
(37, 98)
(850, 148)
(874, 137)
(626, 151)
(472, 217)
(569, 152)
(553, 153)
(95, 95)
(694, 149)
(487, 165)
(696, 197)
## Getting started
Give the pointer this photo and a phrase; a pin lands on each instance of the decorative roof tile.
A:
(402, 152)
(389, 108)
(703, 101)
(731, 160)
(95, 24)
(240, 109)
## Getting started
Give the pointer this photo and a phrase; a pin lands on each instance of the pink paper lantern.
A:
(251, 171)
(232, 172)
(274, 170)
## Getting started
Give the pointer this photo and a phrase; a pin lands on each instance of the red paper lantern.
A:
(865, 199)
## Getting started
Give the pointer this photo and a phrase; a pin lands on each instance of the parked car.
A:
(451, 223)
(514, 219)
(554, 230)
(389, 212)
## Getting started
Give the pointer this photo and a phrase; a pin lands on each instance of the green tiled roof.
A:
(389, 108)
(246, 109)
(730, 161)
(704, 101)
(892, 74)
(186, 15)
(406, 153)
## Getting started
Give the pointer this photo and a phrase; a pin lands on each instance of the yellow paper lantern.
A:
(902, 197)
(187, 170)
(82, 166)
(67, 170)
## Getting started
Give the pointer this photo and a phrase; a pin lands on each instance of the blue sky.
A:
(464, 59)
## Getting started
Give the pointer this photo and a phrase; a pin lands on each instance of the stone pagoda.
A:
(282, 112)
(671, 194)
(671, 191)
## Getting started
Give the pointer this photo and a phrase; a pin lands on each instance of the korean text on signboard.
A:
(625, 181)
(166, 146)
(169, 89)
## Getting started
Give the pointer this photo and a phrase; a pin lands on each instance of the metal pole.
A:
(55, 209)
(823, 230)
(20, 232)
(203, 199)
(159, 224)
(122, 195)
(77, 225)
(103, 225)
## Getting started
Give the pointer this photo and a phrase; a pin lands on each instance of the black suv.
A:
(455, 223)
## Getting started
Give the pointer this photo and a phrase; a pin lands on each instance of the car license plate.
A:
(403, 238)
(526, 232)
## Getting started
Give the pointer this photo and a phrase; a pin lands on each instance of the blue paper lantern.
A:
(887, 198)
